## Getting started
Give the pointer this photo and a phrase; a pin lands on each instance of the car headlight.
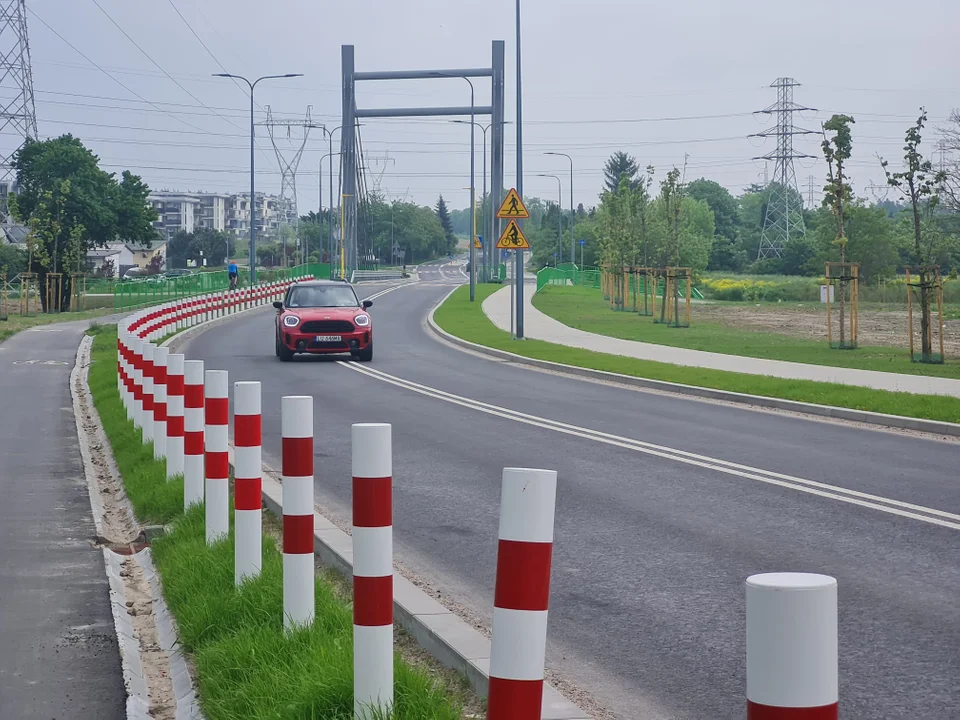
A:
(291, 321)
(362, 320)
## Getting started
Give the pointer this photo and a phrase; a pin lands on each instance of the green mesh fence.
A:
(160, 289)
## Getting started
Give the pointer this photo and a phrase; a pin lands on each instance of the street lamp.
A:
(573, 214)
(329, 219)
(253, 212)
(559, 217)
(473, 189)
(486, 229)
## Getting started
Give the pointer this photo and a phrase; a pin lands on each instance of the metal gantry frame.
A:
(352, 114)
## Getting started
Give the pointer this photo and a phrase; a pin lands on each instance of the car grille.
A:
(328, 345)
(326, 327)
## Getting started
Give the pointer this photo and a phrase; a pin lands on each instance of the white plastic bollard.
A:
(247, 473)
(148, 348)
(792, 647)
(175, 388)
(522, 594)
(160, 355)
(372, 569)
(193, 422)
(216, 456)
(296, 425)
(137, 373)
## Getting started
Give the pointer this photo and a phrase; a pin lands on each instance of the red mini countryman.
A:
(323, 317)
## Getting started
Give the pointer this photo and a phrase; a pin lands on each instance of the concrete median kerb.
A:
(897, 422)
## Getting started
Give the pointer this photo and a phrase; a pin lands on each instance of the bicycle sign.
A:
(513, 238)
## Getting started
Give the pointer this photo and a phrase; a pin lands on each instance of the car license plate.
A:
(327, 338)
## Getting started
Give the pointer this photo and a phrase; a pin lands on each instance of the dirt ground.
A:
(887, 327)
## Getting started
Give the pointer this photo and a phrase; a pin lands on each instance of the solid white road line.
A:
(812, 487)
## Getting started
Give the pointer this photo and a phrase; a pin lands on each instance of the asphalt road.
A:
(652, 546)
(58, 648)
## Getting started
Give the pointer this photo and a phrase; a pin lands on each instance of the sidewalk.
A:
(58, 647)
(538, 326)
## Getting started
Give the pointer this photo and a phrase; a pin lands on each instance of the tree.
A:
(951, 144)
(837, 194)
(618, 164)
(13, 260)
(920, 185)
(443, 215)
(725, 253)
(155, 266)
(71, 206)
(617, 241)
(107, 269)
(214, 246)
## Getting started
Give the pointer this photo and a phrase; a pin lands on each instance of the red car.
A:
(323, 317)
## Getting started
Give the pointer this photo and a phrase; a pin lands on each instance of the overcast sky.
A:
(659, 80)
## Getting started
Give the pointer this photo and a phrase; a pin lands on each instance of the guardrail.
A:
(375, 275)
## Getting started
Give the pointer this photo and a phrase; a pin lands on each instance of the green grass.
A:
(246, 665)
(465, 320)
(15, 322)
(585, 309)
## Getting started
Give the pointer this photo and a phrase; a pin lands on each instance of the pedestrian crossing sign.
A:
(513, 207)
(513, 238)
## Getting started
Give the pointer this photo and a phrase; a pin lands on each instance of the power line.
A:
(118, 82)
(160, 67)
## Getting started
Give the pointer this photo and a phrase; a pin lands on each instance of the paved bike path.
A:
(58, 647)
(539, 326)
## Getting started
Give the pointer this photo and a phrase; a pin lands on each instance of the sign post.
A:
(512, 238)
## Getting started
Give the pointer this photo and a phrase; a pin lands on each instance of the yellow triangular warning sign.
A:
(513, 207)
(476, 243)
(513, 238)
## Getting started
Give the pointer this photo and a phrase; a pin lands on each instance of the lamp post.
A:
(559, 217)
(253, 212)
(573, 215)
(487, 248)
(329, 219)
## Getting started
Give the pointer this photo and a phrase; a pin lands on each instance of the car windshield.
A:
(313, 296)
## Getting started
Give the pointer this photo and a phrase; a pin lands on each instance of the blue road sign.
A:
(582, 243)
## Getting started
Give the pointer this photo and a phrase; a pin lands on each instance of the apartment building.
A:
(217, 211)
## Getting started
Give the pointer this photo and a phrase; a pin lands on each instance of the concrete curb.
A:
(138, 705)
(188, 707)
(138, 701)
(899, 422)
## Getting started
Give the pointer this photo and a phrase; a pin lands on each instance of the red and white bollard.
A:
(137, 380)
(247, 469)
(216, 458)
(193, 422)
(296, 423)
(522, 594)
(792, 647)
(175, 408)
(148, 348)
(160, 402)
(372, 569)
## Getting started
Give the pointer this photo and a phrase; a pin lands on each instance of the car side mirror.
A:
(278, 305)
(367, 304)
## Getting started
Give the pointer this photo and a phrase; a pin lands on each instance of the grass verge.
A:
(466, 320)
(15, 323)
(246, 666)
(585, 309)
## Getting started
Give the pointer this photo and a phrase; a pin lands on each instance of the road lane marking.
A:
(812, 487)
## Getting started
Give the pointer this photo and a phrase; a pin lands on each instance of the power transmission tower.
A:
(288, 167)
(379, 162)
(783, 219)
(18, 114)
(812, 191)
(879, 192)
